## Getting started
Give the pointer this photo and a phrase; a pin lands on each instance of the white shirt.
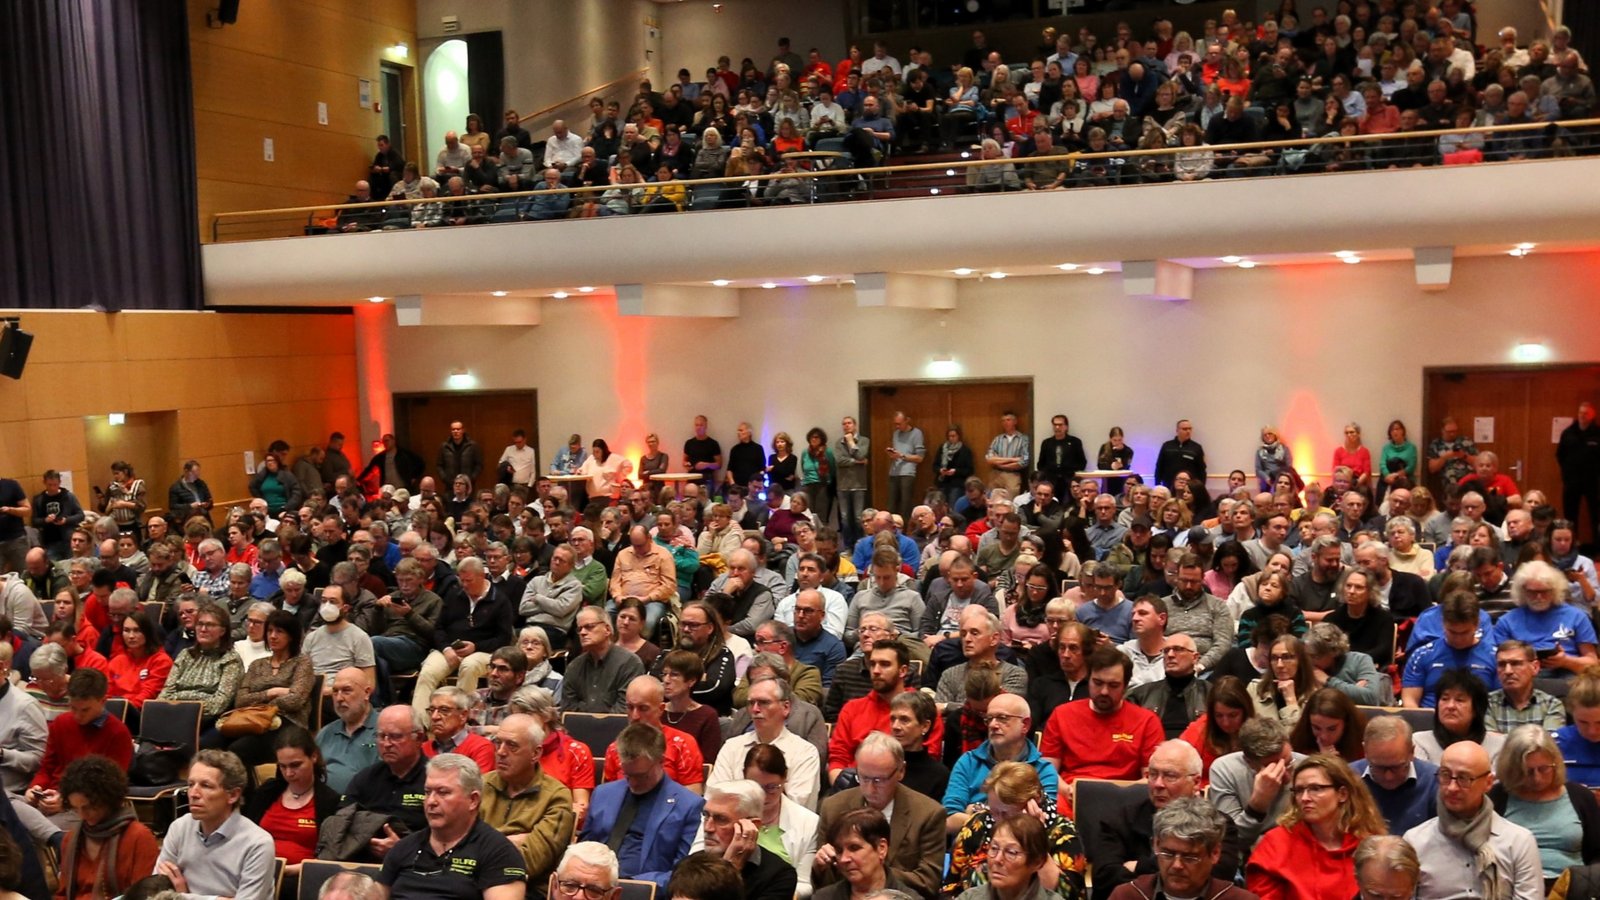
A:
(873, 64)
(832, 111)
(834, 611)
(799, 827)
(1146, 669)
(805, 767)
(524, 462)
(563, 151)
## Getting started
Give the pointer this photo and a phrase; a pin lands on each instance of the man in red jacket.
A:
(887, 666)
(1103, 736)
(86, 728)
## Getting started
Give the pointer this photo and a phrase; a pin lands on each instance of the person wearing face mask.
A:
(338, 644)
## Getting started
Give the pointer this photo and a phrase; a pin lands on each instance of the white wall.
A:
(1306, 347)
(694, 34)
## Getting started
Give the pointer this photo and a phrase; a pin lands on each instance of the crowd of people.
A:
(821, 697)
(1373, 67)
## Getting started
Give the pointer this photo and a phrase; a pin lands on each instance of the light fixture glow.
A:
(720, 282)
(966, 155)
(1068, 267)
(961, 271)
(117, 418)
(375, 299)
(461, 380)
(1526, 246)
(768, 285)
(813, 278)
(586, 289)
(1230, 260)
(1530, 352)
(1247, 264)
(997, 275)
(943, 366)
(933, 191)
(1096, 271)
(1518, 252)
(1352, 260)
(497, 293)
(1344, 254)
(559, 295)
(950, 173)
(400, 50)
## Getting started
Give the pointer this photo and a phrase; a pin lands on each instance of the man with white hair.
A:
(980, 642)
(589, 868)
(732, 829)
(457, 855)
(522, 801)
(473, 623)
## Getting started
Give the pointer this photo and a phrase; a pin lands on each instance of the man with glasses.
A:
(810, 569)
(980, 642)
(646, 818)
(1193, 611)
(1190, 846)
(457, 856)
(1009, 725)
(732, 820)
(598, 677)
(916, 823)
(777, 640)
(771, 702)
(449, 712)
(1517, 701)
(394, 785)
(1180, 697)
(523, 802)
(1124, 842)
(589, 870)
(1471, 849)
(850, 678)
(1107, 611)
(887, 666)
(1405, 786)
(683, 761)
(1103, 736)
(814, 642)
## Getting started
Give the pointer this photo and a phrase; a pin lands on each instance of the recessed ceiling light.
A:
(962, 271)
(1520, 250)
(720, 282)
(813, 278)
(586, 289)
(375, 299)
(1068, 267)
(997, 275)
(1246, 264)
(1526, 246)
(560, 295)
(933, 191)
(966, 155)
(497, 293)
(1096, 271)
(950, 173)
(1345, 254)
(1352, 260)
(768, 285)
(1230, 260)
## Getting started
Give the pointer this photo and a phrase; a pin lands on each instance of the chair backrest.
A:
(171, 722)
(314, 873)
(595, 730)
(317, 682)
(279, 864)
(118, 708)
(155, 609)
(1095, 797)
(637, 890)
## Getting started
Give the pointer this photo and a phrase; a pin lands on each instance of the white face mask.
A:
(1364, 66)
(329, 612)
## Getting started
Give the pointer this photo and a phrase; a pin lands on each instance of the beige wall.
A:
(694, 34)
(236, 382)
(1307, 347)
(263, 77)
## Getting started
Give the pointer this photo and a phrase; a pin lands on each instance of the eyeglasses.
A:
(209, 626)
(717, 819)
(1315, 790)
(1179, 651)
(1002, 718)
(1173, 856)
(442, 710)
(591, 891)
(1283, 657)
(1009, 854)
(1540, 770)
(873, 780)
(1459, 779)
(1393, 769)
(1166, 775)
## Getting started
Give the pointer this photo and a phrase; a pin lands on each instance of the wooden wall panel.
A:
(264, 76)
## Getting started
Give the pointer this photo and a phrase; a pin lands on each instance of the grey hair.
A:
(1541, 571)
(537, 633)
(1402, 522)
(468, 774)
(1261, 738)
(292, 576)
(127, 595)
(992, 620)
(49, 659)
(592, 853)
(890, 893)
(262, 607)
(991, 144)
(357, 885)
(769, 661)
(1387, 728)
(1324, 638)
(785, 692)
(883, 743)
(1191, 757)
(745, 792)
(1390, 851)
(1060, 606)
(209, 544)
(342, 571)
(230, 768)
(240, 569)
(1379, 546)
(1512, 764)
(1459, 555)
(458, 698)
(1191, 820)
(572, 533)
(1321, 543)
(537, 702)
(473, 563)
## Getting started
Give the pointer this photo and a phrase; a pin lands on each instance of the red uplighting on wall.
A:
(372, 363)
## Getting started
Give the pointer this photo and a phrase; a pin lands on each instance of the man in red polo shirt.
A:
(683, 762)
(86, 728)
(1103, 736)
(887, 666)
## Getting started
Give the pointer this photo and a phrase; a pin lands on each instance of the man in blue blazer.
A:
(647, 819)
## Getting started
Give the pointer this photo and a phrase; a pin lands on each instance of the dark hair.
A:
(686, 663)
(1474, 688)
(901, 654)
(1235, 549)
(1231, 692)
(766, 758)
(87, 684)
(100, 781)
(1028, 831)
(867, 823)
(1106, 657)
(289, 624)
(603, 449)
(705, 876)
(148, 887)
(142, 621)
(294, 737)
(1333, 704)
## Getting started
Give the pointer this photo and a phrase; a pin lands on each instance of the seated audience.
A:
(1179, 698)
(1404, 786)
(23, 730)
(1009, 726)
(1078, 738)
(349, 743)
(598, 676)
(1020, 857)
(1563, 817)
(889, 664)
(1580, 741)
(648, 819)
(732, 830)
(1188, 842)
(282, 679)
(450, 731)
(394, 785)
(213, 850)
(1470, 849)
(293, 804)
(1250, 786)
(1309, 853)
(1387, 866)
(209, 670)
(432, 861)
(917, 842)
(771, 703)
(522, 801)
(1215, 733)
(1330, 725)
(1459, 716)
(683, 762)
(1517, 702)
(862, 836)
(111, 849)
(86, 729)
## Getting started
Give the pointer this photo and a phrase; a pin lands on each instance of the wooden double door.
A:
(422, 424)
(933, 406)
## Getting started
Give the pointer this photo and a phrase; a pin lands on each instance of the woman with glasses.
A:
(1533, 791)
(1288, 682)
(1562, 633)
(209, 671)
(534, 642)
(1310, 854)
(1458, 715)
(1020, 862)
(788, 829)
(1024, 623)
(1012, 791)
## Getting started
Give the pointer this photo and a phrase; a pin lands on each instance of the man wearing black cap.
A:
(1135, 547)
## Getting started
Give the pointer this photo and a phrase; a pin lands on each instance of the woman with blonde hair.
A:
(1531, 789)
(1013, 789)
(1310, 854)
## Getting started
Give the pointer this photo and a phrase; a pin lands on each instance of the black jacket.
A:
(460, 459)
(63, 504)
(1181, 456)
(408, 464)
(182, 496)
(1578, 454)
(326, 800)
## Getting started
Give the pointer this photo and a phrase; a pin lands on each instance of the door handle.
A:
(1517, 467)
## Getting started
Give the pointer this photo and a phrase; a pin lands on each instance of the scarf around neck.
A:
(1474, 834)
(108, 832)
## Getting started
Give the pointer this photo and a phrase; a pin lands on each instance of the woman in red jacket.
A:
(1311, 854)
(139, 673)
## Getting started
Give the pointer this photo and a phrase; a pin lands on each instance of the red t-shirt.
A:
(568, 761)
(864, 715)
(1499, 484)
(683, 761)
(1091, 745)
(475, 747)
(294, 831)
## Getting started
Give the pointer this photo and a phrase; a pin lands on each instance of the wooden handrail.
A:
(583, 95)
(879, 171)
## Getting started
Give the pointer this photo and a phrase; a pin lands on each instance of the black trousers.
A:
(1574, 495)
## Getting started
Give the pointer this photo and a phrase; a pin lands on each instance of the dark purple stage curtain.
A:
(97, 203)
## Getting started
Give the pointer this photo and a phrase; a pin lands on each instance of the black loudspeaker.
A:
(228, 11)
(14, 346)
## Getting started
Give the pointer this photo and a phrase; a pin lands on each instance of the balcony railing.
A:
(829, 176)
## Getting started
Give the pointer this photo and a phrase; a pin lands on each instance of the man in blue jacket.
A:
(1009, 723)
(647, 819)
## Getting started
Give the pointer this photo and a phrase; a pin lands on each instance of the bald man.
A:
(350, 742)
(1009, 723)
(1453, 867)
(1180, 697)
(683, 762)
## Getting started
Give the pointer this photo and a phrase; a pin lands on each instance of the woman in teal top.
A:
(816, 474)
(1397, 448)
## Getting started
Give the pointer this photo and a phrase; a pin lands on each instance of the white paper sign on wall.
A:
(1483, 430)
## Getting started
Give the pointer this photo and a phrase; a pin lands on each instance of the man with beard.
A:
(1104, 736)
(887, 666)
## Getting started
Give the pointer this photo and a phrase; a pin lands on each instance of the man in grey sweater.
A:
(850, 456)
(1193, 611)
(888, 595)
